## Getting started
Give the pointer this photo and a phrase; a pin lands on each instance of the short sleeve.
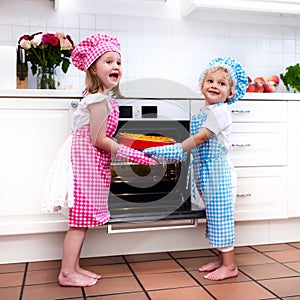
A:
(218, 119)
(81, 116)
(92, 98)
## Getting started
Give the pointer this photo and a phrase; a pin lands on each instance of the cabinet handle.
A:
(110, 229)
(244, 195)
(240, 111)
(241, 145)
(74, 104)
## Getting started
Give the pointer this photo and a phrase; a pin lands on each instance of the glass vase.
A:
(46, 78)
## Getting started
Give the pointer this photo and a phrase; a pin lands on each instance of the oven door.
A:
(142, 193)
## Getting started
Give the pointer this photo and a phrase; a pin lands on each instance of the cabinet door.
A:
(294, 159)
(259, 144)
(261, 193)
(32, 131)
(259, 111)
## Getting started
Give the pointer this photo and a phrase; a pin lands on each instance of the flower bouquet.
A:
(45, 52)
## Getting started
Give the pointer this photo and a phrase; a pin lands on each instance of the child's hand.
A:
(133, 155)
(169, 153)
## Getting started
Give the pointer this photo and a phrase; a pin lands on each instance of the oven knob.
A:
(137, 114)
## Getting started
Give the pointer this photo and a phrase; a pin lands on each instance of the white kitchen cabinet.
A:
(294, 159)
(32, 132)
(190, 8)
(261, 193)
(259, 153)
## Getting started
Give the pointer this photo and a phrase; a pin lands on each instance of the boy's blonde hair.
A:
(214, 69)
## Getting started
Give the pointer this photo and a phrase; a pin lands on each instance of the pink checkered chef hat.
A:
(88, 50)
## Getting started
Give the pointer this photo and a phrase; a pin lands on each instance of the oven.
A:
(140, 193)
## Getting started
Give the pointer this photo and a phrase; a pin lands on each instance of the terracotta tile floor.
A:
(266, 272)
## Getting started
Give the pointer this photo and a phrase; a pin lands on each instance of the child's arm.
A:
(197, 139)
(98, 122)
(178, 152)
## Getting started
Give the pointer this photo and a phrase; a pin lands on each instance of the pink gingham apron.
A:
(91, 169)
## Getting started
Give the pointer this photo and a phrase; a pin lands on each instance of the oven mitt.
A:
(169, 153)
(125, 153)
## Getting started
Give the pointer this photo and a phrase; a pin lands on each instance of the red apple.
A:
(259, 84)
(269, 87)
(274, 79)
(251, 88)
(259, 79)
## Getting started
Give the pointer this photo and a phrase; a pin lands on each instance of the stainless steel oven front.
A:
(149, 193)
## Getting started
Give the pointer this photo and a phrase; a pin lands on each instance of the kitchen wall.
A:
(165, 47)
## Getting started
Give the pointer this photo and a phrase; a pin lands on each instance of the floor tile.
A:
(294, 265)
(285, 256)
(147, 257)
(283, 287)
(102, 261)
(192, 253)
(194, 263)
(160, 266)
(50, 292)
(106, 271)
(109, 286)
(166, 280)
(189, 293)
(6, 268)
(252, 259)
(238, 291)
(41, 276)
(272, 247)
(268, 271)
(296, 245)
(239, 250)
(11, 279)
(44, 265)
(126, 296)
(10, 293)
(199, 277)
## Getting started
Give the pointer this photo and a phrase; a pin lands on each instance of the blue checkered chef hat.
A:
(237, 73)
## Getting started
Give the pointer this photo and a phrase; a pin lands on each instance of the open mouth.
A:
(213, 92)
(114, 76)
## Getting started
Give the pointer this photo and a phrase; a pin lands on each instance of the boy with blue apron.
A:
(223, 83)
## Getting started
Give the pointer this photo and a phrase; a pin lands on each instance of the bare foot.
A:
(75, 279)
(211, 266)
(222, 273)
(88, 273)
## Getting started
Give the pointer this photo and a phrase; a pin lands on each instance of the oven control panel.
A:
(156, 109)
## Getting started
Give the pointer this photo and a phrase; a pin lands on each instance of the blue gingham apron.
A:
(212, 175)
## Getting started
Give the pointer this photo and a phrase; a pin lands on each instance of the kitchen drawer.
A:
(259, 111)
(261, 193)
(252, 111)
(259, 144)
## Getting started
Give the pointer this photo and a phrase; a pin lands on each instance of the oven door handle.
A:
(110, 229)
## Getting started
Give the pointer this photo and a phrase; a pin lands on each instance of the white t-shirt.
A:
(219, 121)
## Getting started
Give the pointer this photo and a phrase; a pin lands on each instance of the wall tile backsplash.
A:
(166, 48)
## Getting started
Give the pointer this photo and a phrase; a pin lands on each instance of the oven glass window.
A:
(125, 112)
(149, 112)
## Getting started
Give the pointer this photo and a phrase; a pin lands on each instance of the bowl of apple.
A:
(263, 85)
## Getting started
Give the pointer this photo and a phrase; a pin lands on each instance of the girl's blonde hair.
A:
(93, 84)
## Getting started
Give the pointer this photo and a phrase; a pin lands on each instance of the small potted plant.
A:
(291, 78)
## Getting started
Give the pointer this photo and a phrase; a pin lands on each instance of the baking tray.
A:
(141, 144)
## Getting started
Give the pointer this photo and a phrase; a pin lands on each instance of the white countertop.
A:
(35, 93)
